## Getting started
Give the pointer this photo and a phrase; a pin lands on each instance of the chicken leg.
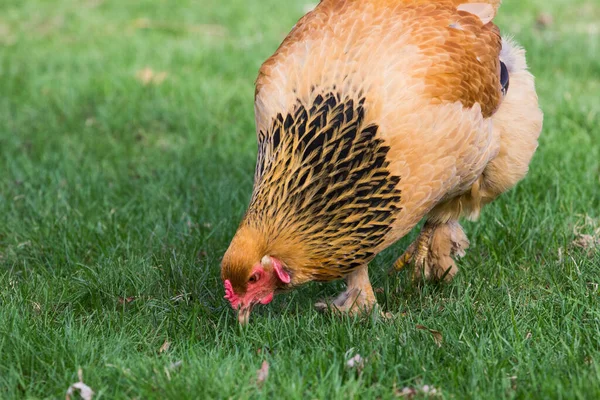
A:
(358, 297)
(433, 251)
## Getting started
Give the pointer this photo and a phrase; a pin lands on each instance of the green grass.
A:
(112, 189)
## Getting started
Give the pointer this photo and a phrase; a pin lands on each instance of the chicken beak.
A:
(244, 314)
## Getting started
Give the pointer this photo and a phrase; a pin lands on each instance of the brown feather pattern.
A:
(322, 178)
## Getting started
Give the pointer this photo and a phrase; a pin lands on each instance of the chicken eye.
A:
(253, 278)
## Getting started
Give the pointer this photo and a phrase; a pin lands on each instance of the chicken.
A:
(371, 116)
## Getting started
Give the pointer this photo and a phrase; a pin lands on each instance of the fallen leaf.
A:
(387, 315)
(356, 362)
(165, 347)
(528, 336)
(201, 255)
(588, 241)
(147, 76)
(379, 290)
(410, 392)
(544, 20)
(437, 335)
(407, 392)
(430, 390)
(585, 241)
(126, 300)
(263, 373)
(85, 391)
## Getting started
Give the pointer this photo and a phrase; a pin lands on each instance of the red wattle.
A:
(267, 300)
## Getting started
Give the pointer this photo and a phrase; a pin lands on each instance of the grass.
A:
(117, 200)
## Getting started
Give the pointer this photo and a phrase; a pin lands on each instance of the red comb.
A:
(230, 294)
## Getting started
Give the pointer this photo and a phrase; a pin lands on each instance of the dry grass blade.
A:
(437, 335)
(147, 76)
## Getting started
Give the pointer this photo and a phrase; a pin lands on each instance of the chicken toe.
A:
(432, 254)
(358, 297)
(417, 254)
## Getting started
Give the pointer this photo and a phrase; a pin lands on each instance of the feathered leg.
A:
(433, 252)
(358, 297)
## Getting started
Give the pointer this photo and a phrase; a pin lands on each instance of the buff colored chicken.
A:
(371, 116)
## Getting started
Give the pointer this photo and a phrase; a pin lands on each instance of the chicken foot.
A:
(432, 253)
(358, 297)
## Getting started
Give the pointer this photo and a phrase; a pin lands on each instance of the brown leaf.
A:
(544, 20)
(437, 335)
(85, 391)
(165, 347)
(588, 241)
(406, 391)
(126, 300)
(147, 76)
(585, 241)
(410, 392)
(386, 315)
(201, 255)
(263, 373)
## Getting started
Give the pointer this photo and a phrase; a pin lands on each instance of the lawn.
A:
(127, 150)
